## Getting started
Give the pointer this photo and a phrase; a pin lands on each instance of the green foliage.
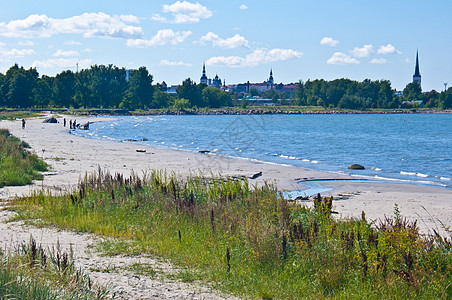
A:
(17, 165)
(181, 104)
(32, 272)
(249, 240)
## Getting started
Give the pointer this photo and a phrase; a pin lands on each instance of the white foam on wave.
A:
(445, 178)
(422, 175)
(316, 161)
(408, 173)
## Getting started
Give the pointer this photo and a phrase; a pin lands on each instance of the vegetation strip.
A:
(17, 165)
(249, 241)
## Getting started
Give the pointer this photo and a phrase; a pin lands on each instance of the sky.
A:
(237, 40)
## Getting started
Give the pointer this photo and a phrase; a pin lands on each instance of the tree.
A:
(64, 88)
(412, 91)
(19, 85)
(140, 93)
(215, 98)
(192, 92)
(161, 99)
(254, 92)
(181, 103)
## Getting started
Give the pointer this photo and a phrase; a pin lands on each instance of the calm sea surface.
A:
(401, 147)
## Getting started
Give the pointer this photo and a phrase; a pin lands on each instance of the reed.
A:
(32, 272)
(248, 240)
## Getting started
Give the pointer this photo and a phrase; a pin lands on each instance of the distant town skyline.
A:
(238, 40)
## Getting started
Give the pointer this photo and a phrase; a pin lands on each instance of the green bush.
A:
(17, 165)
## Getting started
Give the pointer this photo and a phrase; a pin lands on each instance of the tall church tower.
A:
(417, 74)
(204, 76)
(271, 81)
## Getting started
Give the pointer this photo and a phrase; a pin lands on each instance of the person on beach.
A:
(23, 123)
(64, 122)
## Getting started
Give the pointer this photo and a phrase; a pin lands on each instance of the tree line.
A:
(350, 94)
(106, 86)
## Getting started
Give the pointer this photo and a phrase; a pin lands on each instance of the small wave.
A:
(215, 150)
(316, 161)
(408, 173)
(306, 160)
(444, 159)
(445, 178)
(378, 169)
(422, 175)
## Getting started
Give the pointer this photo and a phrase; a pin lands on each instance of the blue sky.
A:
(238, 40)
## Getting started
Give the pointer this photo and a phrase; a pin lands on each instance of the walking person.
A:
(23, 123)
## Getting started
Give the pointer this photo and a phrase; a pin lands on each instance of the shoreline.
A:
(71, 156)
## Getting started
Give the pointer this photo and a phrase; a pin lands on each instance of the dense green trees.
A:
(103, 86)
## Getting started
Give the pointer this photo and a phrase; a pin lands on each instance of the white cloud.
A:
(69, 53)
(364, 51)
(257, 57)
(380, 61)
(329, 42)
(2, 44)
(129, 18)
(26, 43)
(87, 50)
(243, 6)
(87, 24)
(166, 62)
(340, 58)
(184, 13)
(163, 37)
(388, 49)
(16, 52)
(61, 63)
(72, 43)
(233, 42)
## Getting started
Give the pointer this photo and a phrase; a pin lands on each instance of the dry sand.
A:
(71, 157)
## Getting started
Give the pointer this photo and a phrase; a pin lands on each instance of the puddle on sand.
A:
(313, 189)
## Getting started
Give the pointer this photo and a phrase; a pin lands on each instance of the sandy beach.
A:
(71, 156)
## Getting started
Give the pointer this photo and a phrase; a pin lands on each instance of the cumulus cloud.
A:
(165, 62)
(243, 6)
(61, 63)
(257, 57)
(340, 58)
(16, 52)
(364, 51)
(163, 37)
(69, 53)
(233, 42)
(183, 13)
(388, 49)
(87, 24)
(380, 61)
(329, 41)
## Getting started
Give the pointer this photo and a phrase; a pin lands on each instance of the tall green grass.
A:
(32, 272)
(17, 165)
(249, 241)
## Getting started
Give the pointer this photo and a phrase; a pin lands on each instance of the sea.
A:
(410, 148)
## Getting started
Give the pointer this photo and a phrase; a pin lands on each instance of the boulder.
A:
(50, 120)
(356, 167)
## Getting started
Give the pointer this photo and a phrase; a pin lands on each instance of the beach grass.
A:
(248, 240)
(17, 165)
(32, 272)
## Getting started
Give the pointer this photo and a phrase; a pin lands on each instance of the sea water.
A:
(414, 148)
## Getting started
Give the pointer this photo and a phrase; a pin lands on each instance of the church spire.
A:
(417, 74)
(204, 76)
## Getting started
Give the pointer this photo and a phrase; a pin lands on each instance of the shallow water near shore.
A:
(410, 148)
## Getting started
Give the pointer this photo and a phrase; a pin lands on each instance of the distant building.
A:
(216, 82)
(163, 86)
(417, 74)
